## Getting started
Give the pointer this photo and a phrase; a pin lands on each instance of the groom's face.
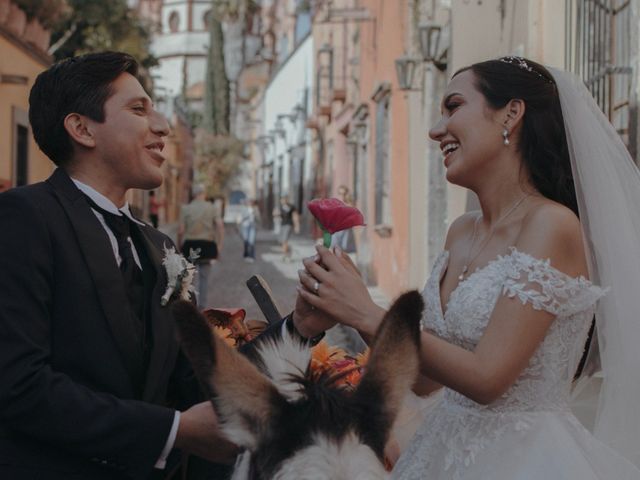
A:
(130, 140)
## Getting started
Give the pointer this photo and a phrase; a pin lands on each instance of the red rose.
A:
(334, 215)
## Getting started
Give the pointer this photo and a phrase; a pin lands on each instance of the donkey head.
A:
(292, 425)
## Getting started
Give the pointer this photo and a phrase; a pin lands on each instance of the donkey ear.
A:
(241, 395)
(391, 370)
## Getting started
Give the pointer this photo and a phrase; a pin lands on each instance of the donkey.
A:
(294, 426)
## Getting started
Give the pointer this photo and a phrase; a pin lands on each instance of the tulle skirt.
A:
(456, 443)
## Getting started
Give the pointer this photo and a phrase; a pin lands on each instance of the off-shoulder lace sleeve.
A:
(535, 281)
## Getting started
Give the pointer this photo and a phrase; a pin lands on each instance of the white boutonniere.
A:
(180, 274)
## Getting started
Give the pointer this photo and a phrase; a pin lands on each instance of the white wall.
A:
(174, 50)
(181, 43)
(168, 76)
(196, 70)
(199, 10)
(181, 9)
(281, 98)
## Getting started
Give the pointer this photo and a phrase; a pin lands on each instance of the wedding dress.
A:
(529, 433)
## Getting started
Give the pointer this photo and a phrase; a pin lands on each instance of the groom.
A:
(92, 379)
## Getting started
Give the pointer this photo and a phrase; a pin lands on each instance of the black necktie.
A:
(120, 225)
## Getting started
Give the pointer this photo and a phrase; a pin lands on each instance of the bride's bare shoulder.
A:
(553, 231)
(553, 218)
(461, 227)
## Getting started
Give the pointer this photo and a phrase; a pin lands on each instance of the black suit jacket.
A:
(68, 402)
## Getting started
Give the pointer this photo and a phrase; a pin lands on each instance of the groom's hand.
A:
(199, 434)
(310, 321)
(307, 320)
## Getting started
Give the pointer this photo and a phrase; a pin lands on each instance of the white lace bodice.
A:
(545, 383)
(458, 429)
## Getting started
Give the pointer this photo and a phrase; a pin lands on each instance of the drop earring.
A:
(505, 137)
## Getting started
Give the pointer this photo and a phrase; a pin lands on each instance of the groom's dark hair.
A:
(74, 85)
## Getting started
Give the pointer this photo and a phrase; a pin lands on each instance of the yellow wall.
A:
(16, 61)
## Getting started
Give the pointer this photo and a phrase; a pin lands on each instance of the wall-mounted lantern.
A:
(264, 139)
(278, 132)
(299, 111)
(289, 116)
(405, 70)
(431, 37)
(325, 61)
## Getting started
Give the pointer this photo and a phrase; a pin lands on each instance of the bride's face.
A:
(469, 131)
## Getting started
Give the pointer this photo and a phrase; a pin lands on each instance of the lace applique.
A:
(459, 429)
(546, 288)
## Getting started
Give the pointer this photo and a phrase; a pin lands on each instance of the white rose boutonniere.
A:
(180, 274)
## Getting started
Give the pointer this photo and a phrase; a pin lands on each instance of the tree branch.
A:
(63, 39)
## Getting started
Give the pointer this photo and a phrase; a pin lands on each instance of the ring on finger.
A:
(316, 286)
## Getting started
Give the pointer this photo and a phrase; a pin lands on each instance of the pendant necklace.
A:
(465, 267)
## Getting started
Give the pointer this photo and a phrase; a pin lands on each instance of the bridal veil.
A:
(608, 191)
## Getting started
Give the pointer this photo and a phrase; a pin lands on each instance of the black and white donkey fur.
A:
(295, 428)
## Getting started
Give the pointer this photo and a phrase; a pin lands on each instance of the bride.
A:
(511, 298)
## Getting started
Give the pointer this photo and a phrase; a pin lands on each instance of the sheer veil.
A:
(608, 189)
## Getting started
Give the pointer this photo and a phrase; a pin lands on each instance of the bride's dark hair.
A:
(542, 142)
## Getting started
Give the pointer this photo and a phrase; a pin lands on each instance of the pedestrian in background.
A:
(201, 230)
(247, 222)
(289, 220)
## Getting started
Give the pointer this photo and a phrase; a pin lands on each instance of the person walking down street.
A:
(247, 222)
(277, 220)
(154, 208)
(201, 230)
(289, 220)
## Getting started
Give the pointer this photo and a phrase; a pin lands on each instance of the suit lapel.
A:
(160, 319)
(96, 249)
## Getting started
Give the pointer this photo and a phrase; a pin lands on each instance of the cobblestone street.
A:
(228, 279)
(229, 274)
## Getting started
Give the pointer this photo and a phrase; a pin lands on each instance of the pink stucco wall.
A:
(382, 41)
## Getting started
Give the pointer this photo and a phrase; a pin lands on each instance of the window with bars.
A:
(599, 51)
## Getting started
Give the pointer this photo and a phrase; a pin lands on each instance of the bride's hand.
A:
(332, 284)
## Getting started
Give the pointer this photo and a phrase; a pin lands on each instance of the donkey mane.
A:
(315, 404)
(295, 424)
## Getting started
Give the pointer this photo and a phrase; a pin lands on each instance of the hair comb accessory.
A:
(522, 64)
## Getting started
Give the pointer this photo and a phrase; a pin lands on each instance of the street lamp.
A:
(326, 50)
(289, 116)
(430, 35)
(278, 132)
(405, 70)
(299, 110)
(361, 131)
(264, 140)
